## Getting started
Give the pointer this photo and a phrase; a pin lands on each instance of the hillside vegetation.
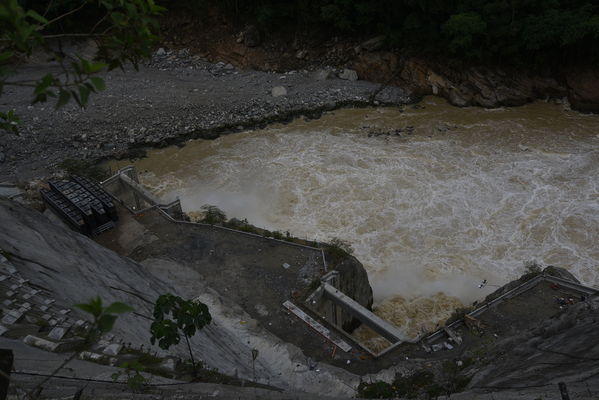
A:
(514, 31)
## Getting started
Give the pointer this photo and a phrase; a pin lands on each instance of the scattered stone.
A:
(374, 44)
(169, 364)
(44, 308)
(279, 91)
(65, 311)
(41, 343)
(7, 302)
(229, 67)
(437, 347)
(11, 317)
(323, 74)
(286, 266)
(301, 54)
(523, 148)
(112, 349)
(261, 310)
(57, 333)
(3, 330)
(161, 52)
(10, 293)
(95, 357)
(349, 75)
(10, 268)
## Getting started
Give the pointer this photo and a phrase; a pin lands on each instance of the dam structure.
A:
(315, 293)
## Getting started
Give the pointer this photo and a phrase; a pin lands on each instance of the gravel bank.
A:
(171, 99)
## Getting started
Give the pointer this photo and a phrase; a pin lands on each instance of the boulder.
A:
(349, 75)
(583, 89)
(301, 54)
(112, 349)
(560, 273)
(278, 91)
(323, 74)
(374, 44)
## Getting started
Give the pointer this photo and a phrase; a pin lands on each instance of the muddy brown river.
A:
(460, 195)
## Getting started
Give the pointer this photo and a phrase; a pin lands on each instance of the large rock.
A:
(323, 74)
(473, 86)
(583, 89)
(278, 91)
(376, 43)
(349, 75)
(560, 273)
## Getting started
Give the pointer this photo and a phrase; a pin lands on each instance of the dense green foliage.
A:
(476, 30)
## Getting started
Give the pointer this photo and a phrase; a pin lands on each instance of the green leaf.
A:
(83, 94)
(5, 56)
(96, 67)
(117, 308)
(33, 14)
(85, 307)
(98, 82)
(63, 98)
(94, 307)
(106, 322)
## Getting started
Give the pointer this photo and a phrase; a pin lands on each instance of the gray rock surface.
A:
(76, 269)
(171, 99)
(278, 91)
(349, 75)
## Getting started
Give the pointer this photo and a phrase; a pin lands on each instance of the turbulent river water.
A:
(444, 198)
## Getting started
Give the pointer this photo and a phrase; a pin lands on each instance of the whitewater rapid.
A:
(460, 195)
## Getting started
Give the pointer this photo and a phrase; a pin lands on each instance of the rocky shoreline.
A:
(173, 98)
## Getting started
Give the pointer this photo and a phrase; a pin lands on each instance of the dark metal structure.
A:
(82, 204)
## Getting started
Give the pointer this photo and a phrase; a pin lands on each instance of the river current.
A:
(450, 197)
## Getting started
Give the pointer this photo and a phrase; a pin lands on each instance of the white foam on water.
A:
(426, 214)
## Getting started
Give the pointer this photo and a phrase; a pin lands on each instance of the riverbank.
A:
(175, 97)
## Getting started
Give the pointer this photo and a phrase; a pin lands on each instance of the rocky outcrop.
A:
(475, 86)
(583, 89)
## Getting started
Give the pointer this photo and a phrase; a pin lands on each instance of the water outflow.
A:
(450, 197)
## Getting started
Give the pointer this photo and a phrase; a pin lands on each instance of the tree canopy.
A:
(473, 30)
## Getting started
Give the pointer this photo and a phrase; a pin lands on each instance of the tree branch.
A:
(73, 11)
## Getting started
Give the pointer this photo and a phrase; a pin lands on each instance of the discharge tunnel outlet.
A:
(367, 317)
(335, 307)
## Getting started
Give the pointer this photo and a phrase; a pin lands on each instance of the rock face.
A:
(475, 86)
(583, 89)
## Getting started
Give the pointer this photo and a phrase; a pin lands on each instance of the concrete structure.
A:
(124, 187)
